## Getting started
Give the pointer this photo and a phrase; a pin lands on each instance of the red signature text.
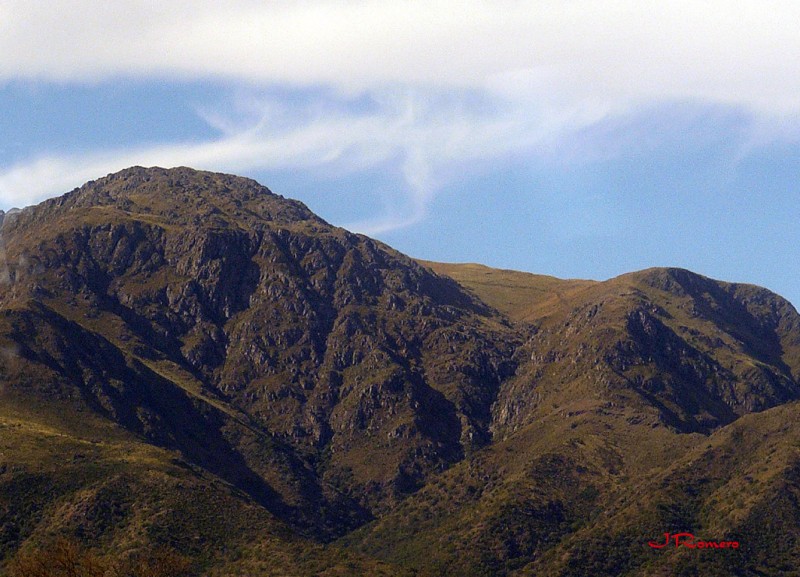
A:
(692, 542)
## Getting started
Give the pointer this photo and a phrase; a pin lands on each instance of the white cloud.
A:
(591, 53)
(542, 68)
(425, 141)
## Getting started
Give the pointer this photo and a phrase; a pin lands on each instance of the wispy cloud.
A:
(425, 139)
(450, 85)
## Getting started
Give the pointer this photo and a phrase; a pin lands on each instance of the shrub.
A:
(66, 558)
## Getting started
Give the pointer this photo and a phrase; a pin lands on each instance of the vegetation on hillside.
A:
(199, 376)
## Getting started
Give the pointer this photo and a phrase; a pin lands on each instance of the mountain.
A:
(659, 401)
(191, 360)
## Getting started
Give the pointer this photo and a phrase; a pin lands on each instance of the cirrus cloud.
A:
(423, 139)
(541, 71)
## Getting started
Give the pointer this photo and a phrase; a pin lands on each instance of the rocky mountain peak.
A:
(224, 293)
(179, 196)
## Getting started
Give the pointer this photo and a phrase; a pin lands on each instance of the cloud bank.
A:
(606, 52)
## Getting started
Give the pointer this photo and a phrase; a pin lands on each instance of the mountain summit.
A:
(188, 358)
(181, 304)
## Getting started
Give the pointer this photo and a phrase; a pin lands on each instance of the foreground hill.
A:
(191, 360)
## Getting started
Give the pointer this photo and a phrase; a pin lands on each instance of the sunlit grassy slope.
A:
(520, 295)
(69, 473)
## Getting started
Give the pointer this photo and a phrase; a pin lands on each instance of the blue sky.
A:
(565, 137)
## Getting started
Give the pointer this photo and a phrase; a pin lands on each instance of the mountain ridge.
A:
(370, 410)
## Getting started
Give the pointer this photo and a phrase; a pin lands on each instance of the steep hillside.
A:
(68, 473)
(601, 439)
(688, 351)
(189, 359)
(320, 372)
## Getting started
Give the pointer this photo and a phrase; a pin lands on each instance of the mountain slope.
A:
(702, 352)
(66, 472)
(198, 348)
(313, 369)
(598, 446)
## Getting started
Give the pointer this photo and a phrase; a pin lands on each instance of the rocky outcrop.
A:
(359, 362)
(675, 348)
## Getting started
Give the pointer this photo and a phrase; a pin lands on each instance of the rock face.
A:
(177, 302)
(677, 348)
(327, 381)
